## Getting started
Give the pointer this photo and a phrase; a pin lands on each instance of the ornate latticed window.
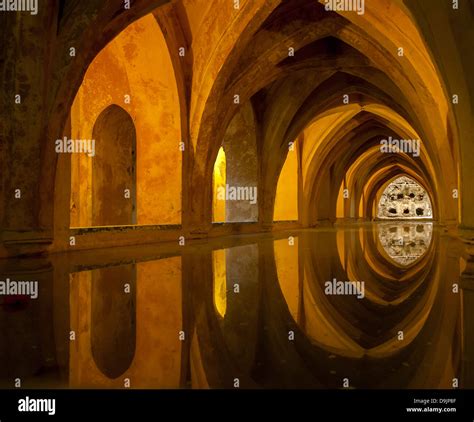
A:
(404, 199)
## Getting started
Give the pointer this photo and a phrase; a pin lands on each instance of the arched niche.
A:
(145, 86)
(114, 169)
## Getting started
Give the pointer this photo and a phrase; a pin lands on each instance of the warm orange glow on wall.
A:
(340, 202)
(134, 71)
(286, 200)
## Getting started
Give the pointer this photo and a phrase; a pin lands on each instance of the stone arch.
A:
(353, 141)
(379, 178)
(58, 77)
(376, 45)
(136, 72)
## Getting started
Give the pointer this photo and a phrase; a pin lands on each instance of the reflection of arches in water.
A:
(361, 335)
(330, 334)
(405, 243)
(151, 351)
(113, 314)
(403, 198)
(113, 169)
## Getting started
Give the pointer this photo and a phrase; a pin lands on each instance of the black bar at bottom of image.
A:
(130, 404)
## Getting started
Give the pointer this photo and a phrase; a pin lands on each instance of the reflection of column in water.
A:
(239, 325)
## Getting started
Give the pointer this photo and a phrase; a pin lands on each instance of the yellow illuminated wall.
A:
(286, 201)
(340, 202)
(218, 184)
(134, 71)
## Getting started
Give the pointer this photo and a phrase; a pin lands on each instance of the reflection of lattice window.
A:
(405, 243)
(404, 199)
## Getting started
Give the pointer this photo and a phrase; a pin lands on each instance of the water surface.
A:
(253, 311)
